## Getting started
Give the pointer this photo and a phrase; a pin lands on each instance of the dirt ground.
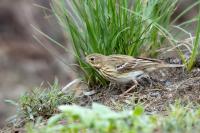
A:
(156, 92)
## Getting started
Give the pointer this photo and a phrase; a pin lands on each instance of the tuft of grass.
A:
(182, 119)
(192, 42)
(101, 119)
(39, 103)
(195, 48)
(113, 27)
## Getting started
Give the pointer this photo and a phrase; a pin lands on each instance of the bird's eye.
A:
(92, 59)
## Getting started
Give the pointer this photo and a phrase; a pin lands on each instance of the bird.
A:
(123, 69)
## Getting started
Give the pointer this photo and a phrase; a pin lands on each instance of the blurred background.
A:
(24, 63)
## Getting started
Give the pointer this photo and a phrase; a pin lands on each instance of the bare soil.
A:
(156, 93)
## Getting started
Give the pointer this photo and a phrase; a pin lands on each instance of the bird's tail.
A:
(160, 66)
(171, 65)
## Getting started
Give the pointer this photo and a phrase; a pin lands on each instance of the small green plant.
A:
(98, 119)
(101, 119)
(114, 27)
(192, 42)
(39, 102)
(182, 119)
(195, 48)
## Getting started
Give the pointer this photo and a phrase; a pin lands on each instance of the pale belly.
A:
(125, 78)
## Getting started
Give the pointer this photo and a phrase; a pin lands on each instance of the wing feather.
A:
(128, 63)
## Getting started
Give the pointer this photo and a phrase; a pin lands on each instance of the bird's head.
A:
(95, 60)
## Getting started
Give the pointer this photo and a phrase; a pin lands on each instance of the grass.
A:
(48, 111)
(111, 27)
(195, 48)
(100, 119)
(114, 27)
(130, 27)
(40, 103)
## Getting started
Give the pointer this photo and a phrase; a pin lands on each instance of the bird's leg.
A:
(132, 87)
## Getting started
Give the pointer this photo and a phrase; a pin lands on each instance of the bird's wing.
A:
(125, 67)
(144, 64)
(130, 58)
(125, 63)
(150, 59)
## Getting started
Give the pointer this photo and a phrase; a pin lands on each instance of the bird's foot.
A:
(127, 91)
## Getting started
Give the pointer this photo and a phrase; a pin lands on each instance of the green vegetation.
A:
(39, 103)
(48, 111)
(195, 48)
(114, 27)
(101, 119)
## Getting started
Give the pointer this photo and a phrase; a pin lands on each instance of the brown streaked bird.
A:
(123, 68)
